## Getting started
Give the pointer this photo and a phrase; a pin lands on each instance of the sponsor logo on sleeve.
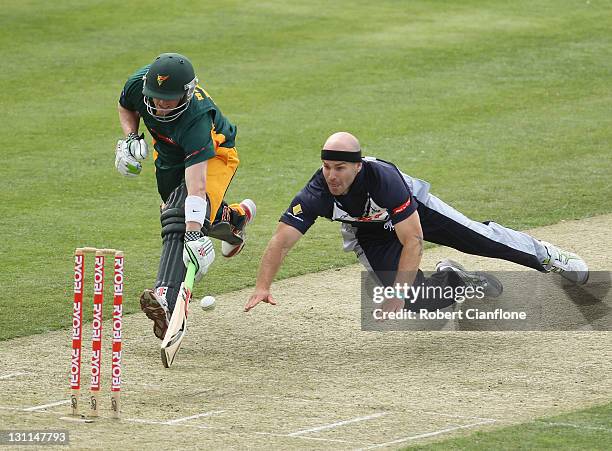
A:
(401, 207)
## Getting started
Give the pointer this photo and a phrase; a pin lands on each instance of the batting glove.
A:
(136, 146)
(198, 250)
(125, 163)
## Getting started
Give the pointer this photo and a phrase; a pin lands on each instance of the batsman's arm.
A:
(129, 120)
(195, 179)
(281, 242)
(198, 248)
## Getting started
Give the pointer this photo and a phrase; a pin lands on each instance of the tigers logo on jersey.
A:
(161, 79)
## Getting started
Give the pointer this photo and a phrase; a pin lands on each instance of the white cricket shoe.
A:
(565, 263)
(490, 284)
(230, 250)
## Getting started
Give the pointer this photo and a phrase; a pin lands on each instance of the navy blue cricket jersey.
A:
(378, 199)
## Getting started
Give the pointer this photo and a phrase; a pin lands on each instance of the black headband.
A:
(337, 155)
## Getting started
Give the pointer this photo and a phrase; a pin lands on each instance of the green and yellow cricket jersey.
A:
(189, 139)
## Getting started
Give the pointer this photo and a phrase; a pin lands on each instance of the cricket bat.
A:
(177, 328)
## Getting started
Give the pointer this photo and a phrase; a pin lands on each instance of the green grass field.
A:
(503, 106)
(588, 429)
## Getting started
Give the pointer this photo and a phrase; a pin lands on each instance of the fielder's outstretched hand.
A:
(393, 305)
(257, 297)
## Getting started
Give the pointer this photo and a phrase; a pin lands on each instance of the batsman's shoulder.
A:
(136, 78)
(131, 96)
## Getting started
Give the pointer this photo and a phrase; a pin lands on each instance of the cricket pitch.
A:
(303, 374)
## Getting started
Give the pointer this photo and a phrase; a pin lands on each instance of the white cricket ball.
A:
(207, 303)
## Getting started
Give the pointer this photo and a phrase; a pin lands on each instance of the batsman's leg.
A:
(158, 303)
(230, 228)
(230, 221)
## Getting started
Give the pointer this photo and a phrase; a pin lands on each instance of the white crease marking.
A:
(427, 434)
(10, 375)
(44, 406)
(336, 424)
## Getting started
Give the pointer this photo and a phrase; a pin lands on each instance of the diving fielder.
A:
(195, 160)
(386, 215)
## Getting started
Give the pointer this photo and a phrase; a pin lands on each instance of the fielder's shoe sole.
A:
(492, 287)
(230, 249)
(151, 307)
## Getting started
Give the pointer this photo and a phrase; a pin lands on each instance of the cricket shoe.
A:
(230, 249)
(490, 284)
(565, 263)
(156, 310)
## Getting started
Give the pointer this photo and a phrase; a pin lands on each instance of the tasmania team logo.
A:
(161, 79)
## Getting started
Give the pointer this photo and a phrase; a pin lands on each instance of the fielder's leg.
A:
(442, 224)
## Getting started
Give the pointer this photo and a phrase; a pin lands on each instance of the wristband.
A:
(195, 209)
(193, 235)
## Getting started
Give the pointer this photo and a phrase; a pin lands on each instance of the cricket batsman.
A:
(195, 160)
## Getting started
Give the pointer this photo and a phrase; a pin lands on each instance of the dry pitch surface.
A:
(303, 374)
